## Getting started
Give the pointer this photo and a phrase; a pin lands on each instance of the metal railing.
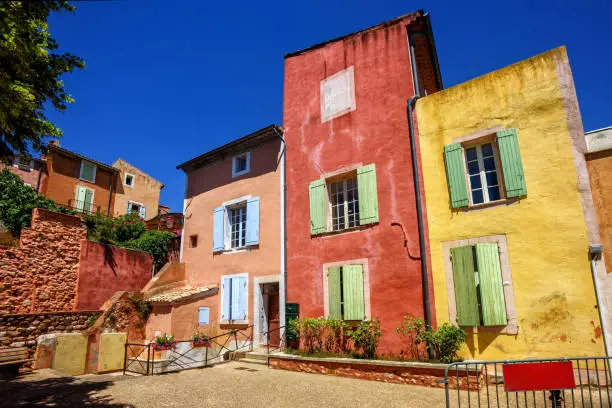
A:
(142, 359)
(561, 382)
(282, 342)
(83, 207)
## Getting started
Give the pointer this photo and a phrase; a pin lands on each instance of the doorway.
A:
(269, 315)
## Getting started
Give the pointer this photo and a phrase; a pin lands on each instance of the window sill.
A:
(89, 181)
(233, 324)
(475, 207)
(327, 234)
(510, 328)
(236, 250)
(240, 173)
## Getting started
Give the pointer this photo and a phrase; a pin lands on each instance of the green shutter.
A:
(465, 286)
(352, 288)
(455, 175)
(512, 165)
(333, 288)
(492, 297)
(318, 222)
(88, 200)
(368, 196)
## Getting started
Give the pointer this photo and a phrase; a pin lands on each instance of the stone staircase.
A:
(252, 357)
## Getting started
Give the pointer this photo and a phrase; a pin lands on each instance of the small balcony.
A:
(84, 207)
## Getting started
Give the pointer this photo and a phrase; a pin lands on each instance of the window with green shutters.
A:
(478, 285)
(346, 292)
(484, 170)
(346, 201)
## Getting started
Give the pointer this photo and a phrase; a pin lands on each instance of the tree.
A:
(17, 202)
(30, 75)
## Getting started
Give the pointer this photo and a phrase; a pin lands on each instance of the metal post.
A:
(206, 358)
(149, 356)
(125, 358)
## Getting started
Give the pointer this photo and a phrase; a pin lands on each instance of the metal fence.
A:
(144, 359)
(564, 382)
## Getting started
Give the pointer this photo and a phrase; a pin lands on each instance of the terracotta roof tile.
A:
(176, 295)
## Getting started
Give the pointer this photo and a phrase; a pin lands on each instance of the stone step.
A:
(257, 355)
(253, 361)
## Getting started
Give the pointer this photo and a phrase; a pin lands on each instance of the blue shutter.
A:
(143, 212)
(218, 233)
(227, 298)
(204, 315)
(252, 221)
(239, 298)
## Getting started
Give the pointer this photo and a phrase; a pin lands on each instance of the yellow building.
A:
(136, 191)
(507, 196)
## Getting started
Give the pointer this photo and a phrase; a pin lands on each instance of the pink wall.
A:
(104, 270)
(376, 132)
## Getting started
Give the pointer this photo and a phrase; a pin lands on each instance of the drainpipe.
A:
(595, 252)
(417, 190)
(283, 215)
(110, 192)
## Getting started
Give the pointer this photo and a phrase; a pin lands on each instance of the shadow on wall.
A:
(263, 159)
(58, 392)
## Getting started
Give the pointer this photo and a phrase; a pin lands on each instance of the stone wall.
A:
(41, 274)
(19, 330)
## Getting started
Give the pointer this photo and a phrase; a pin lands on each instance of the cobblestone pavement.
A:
(226, 385)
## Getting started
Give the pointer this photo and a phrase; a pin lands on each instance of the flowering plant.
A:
(201, 340)
(164, 342)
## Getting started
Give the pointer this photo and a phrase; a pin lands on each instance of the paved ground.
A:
(226, 385)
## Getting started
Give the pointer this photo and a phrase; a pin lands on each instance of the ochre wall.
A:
(546, 231)
(600, 174)
(145, 190)
(376, 132)
(63, 180)
(106, 269)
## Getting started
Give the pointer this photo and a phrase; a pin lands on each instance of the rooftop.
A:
(181, 294)
(53, 147)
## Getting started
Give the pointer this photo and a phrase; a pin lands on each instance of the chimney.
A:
(55, 142)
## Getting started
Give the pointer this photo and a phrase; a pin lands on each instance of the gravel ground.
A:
(226, 385)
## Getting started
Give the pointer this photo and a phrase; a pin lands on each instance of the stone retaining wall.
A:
(414, 373)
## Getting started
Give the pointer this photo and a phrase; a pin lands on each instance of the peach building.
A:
(230, 275)
(136, 191)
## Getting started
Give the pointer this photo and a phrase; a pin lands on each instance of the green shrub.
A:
(99, 228)
(309, 330)
(447, 341)
(333, 332)
(18, 200)
(128, 227)
(154, 243)
(414, 334)
(366, 337)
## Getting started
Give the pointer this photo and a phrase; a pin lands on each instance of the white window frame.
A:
(125, 180)
(330, 204)
(227, 227)
(482, 172)
(246, 155)
(366, 283)
(95, 172)
(137, 203)
(222, 298)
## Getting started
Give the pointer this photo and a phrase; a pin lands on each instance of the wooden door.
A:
(273, 320)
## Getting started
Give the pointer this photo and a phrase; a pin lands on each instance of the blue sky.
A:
(167, 81)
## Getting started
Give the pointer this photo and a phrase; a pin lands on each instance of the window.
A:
(129, 180)
(338, 94)
(84, 200)
(88, 171)
(236, 224)
(134, 207)
(237, 221)
(482, 172)
(193, 240)
(234, 297)
(241, 164)
(481, 293)
(23, 163)
(484, 168)
(345, 292)
(345, 201)
(204, 315)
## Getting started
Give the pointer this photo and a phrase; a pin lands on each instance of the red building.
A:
(353, 246)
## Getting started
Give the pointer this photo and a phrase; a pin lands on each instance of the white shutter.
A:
(143, 212)
(226, 298)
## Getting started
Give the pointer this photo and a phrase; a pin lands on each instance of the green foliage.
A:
(413, 331)
(366, 337)
(447, 341)
(333, 332)
(99, 228)
(154, 243)
(18, 200)
(141, 306)
(30, 77)
(127, 227)
(309, 330)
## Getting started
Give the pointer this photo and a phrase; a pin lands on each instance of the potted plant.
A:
(164, 342)
(201, 340)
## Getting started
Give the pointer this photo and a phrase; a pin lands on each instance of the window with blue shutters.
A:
(234, 297)
(236, 224)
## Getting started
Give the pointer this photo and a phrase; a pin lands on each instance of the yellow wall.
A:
(146, 190)
(112, 351)
(545, 231)
(69, 354)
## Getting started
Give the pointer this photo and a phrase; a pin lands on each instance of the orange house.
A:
(231, 250)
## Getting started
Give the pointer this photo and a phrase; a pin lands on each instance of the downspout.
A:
(110, 192)
(595, 252)
(40, 170)
(417, 191)
(283, 215)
